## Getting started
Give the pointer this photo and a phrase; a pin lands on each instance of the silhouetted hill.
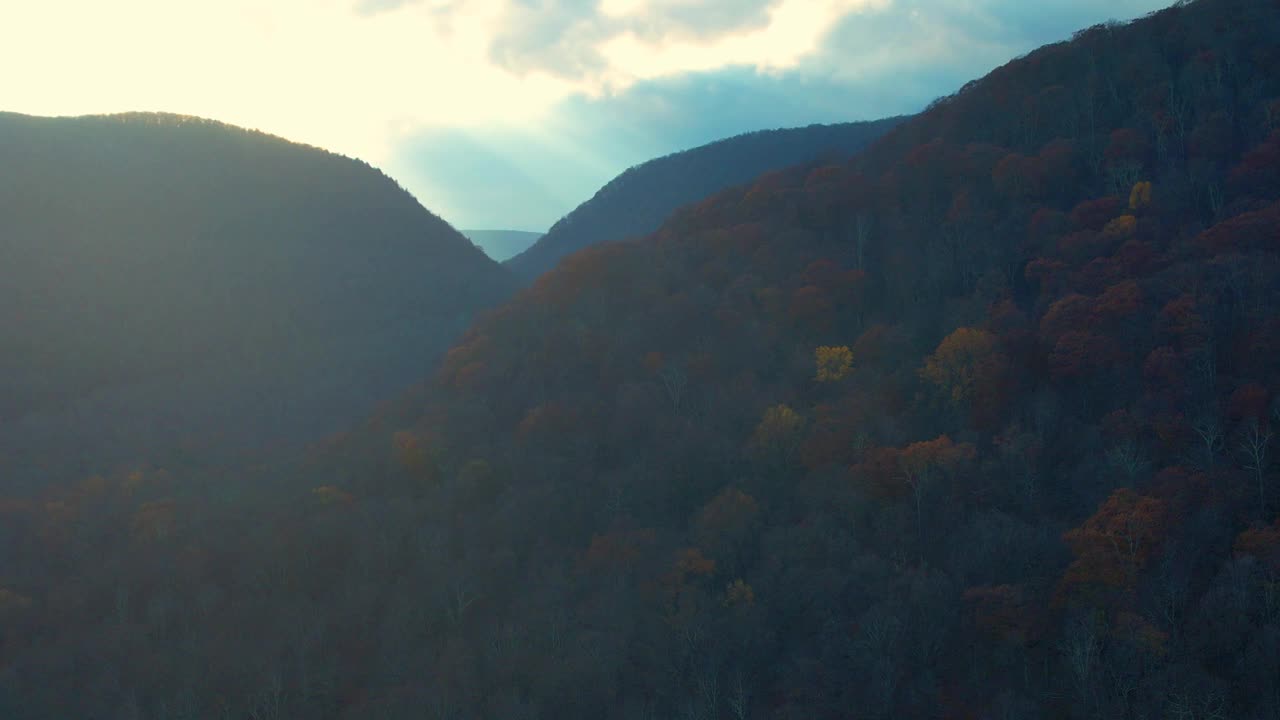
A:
(502, 244)
(637, 201)
(169, 277)
(980, 424)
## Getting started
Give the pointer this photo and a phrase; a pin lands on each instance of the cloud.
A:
(879, 60)
(597, 42)
(556, 96)
(969, 36)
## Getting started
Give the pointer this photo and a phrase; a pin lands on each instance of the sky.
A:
(509, 113)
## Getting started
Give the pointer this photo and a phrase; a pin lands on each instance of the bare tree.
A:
(861, 238)
(1127, 459)
(1208, 428)
(1254, 445)
(675, 381)
(1081, 648)
(739, 697)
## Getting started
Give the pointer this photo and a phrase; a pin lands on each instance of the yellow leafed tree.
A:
(739, 593)
(1140, 195)
(834, 362)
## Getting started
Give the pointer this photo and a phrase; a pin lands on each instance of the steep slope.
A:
(977, 425)
(162, 276)
(502, 245)
(637, 201)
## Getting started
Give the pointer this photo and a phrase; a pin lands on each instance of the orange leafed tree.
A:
(957, 365)
(154, 521)
(921, 465)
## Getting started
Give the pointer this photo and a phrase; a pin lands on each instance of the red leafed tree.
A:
(618, 550)
(1249, 403)
(1262, 543)
(1126, 154)
(812, 310)
(1053, 276)
(1115, 544)
(1094, 214)
(1165, 371)
(1258, 172)
(1003, 612)
(1019, 177)
(1080, 354)
(724, 524)
(834, 435)
(1072, 313)
(1060, 163)
(1257, 231)
(1180, 320)
(1045, 224)
(1119, 302)
(879, 469)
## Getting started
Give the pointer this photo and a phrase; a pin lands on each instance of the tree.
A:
(1254, 445)
(922, 465)
(777, 437)
(329, 495)
(834, 363)
(964, 362)
(1140, 195)
(416, 457)
(1115, 544)
(1259, 170)
(724, 525)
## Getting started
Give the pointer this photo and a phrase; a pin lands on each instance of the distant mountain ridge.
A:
(637, 201)
(141, 247)
(502, 244)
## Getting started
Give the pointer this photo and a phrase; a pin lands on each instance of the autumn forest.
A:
(977, 422)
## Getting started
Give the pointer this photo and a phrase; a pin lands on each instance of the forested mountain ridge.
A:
(979, 424)
(140, 248)
(637, 202)
(501, 245)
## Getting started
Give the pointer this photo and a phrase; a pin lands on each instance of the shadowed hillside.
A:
(162, 276)
(637, 201)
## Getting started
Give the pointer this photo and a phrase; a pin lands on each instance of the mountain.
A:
(501, 245)
(636, 202)
(166, 279)
(979, 423)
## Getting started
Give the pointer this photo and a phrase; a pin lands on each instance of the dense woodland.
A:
(167, 280)
(976, 424)
(638, 201)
